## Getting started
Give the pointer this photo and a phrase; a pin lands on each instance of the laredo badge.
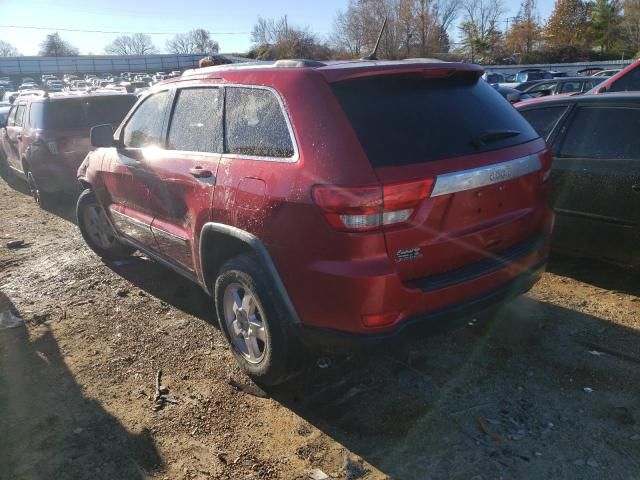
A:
(408, 254)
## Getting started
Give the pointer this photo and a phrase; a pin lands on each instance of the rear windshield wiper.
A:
(493, 136)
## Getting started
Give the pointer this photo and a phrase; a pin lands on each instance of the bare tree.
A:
(275, 39)
(196, 41)
(414, 27)
(8, 50)
(203, 41)
(480, 27)
(54, 46)
(182, 43)
(348, 30)
(136, 44)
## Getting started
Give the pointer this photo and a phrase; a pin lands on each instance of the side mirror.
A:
(3, 123)
(513, 97)
(102, 136)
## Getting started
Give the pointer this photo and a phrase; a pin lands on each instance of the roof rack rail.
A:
(296, 63)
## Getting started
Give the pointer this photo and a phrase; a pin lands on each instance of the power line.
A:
(31, 27)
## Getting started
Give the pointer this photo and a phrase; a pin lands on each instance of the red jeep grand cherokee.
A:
(321, 203)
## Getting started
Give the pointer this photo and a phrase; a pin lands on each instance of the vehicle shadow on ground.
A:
(594, 272)
(506, 401)
(62, 205)
(167, 286)
(50, 428)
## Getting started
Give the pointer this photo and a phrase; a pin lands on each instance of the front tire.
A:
(96, 229)
(250, 315)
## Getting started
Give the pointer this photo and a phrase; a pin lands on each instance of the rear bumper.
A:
(54, 173)
(335, 341)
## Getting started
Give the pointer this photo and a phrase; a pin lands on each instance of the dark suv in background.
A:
(596, 172)
(325, 204)
(46, 138)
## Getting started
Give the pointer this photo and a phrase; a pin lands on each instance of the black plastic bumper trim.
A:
(481, 268)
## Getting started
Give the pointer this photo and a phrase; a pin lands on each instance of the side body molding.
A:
(258, 249)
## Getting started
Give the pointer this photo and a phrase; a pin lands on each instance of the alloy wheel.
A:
(245, 323)
(98, 227)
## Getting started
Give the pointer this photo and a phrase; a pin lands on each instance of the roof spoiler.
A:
(428, 70)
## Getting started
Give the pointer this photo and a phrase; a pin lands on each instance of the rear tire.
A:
(42, 198)
(5, 169)
(96, 229)
(252, 319)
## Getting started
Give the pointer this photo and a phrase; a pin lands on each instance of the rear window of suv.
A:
(81, 112)
(412, 119)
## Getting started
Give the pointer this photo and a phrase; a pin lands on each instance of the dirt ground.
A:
(549, 389)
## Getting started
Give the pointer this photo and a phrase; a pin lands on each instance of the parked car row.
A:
(124, 82)
(409, 193)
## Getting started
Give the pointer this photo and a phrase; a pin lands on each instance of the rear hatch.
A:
(471, 163)
(66, 122)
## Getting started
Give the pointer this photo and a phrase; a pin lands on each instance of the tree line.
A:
(195, 42)
(469, 30)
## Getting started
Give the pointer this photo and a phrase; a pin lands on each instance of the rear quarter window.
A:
(403, 120)
(255, 124)
(544, 120)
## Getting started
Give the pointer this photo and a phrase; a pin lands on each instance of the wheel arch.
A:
(219, 242)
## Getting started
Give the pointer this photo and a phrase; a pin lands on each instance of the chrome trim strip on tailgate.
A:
(483, 176)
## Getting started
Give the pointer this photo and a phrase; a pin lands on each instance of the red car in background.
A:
(46, 138)
(627, 80)
(325, 204)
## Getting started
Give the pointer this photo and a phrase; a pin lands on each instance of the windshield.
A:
(406, 120)
(81, 113)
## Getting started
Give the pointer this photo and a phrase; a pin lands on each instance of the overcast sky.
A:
(229, 21)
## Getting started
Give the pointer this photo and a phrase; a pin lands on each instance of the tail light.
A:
(546, 159)
(361, 209)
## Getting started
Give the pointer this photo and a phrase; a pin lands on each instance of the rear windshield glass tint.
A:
(81, 113)
(406, 120)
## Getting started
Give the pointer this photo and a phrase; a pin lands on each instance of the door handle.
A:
(200, 172)
(636, 188)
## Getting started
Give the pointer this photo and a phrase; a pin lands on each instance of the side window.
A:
(543, 86)
(628, 83)
(20, 116)
(144, 128)
(255, 124)
(196, 123)
(35, 114)
(544, 120)
(603, 133)
(570, 87)
(11, 121)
